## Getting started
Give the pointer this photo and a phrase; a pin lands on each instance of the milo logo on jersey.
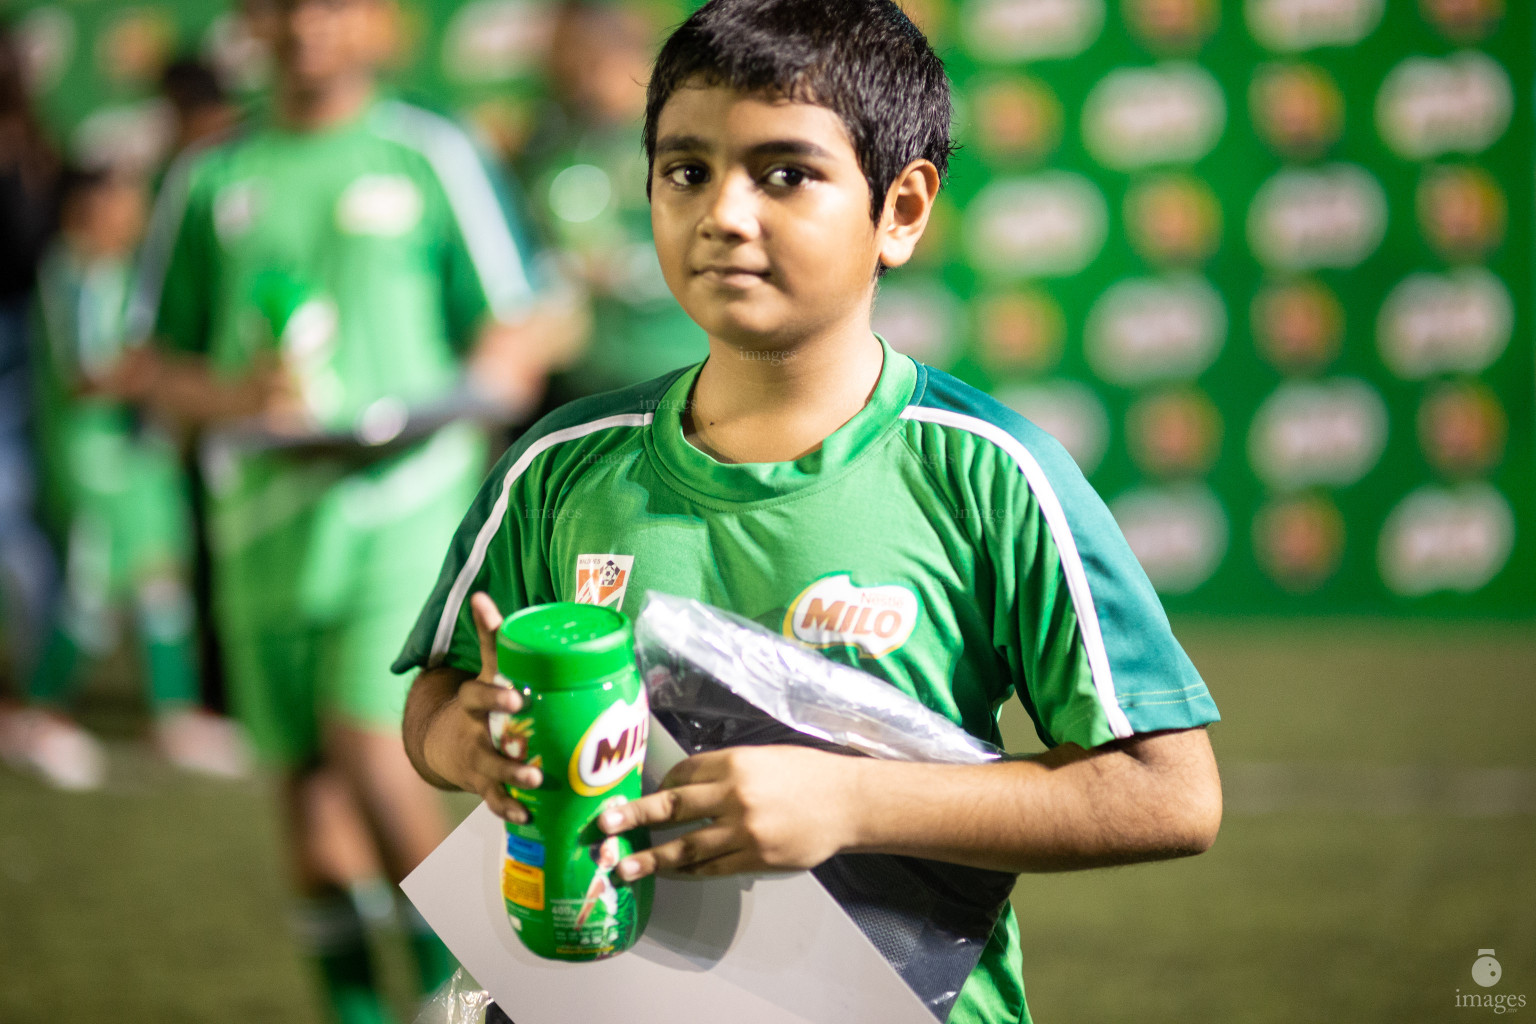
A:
(833, 612)
(613, 746)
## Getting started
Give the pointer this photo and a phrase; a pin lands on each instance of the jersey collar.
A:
(734, 483)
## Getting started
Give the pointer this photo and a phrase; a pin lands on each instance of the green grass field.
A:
(1380, 829)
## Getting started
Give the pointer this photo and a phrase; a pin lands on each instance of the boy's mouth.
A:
(731, 275)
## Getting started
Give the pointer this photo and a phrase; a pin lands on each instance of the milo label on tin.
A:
(604, 919)
(612, 748)
(557, 875)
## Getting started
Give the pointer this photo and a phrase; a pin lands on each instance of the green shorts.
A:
(126, 504)
(286, 685)
(314, 607)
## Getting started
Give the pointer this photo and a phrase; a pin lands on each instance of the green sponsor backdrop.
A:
(1264, 266)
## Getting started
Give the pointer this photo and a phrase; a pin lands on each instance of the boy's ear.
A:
(908, 202)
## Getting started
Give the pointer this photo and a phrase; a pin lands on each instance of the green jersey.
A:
(937, 540)
(116, 491)
(391, 221)
(80, 308)
(366, 256)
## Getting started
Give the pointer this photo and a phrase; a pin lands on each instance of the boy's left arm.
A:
(1147, 797)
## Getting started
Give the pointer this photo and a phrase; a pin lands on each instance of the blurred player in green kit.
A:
(587, 176)
(117, 497)
(318, 292)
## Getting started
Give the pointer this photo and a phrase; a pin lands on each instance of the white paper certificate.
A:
(736, 950)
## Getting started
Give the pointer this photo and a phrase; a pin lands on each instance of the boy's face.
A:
(318, 42)
(761, 216)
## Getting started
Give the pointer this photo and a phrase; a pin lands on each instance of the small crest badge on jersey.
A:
(602, 579)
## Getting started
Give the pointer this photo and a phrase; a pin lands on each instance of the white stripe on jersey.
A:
(475, 207)
(1066, 544)
(471, 568)
(159, 244)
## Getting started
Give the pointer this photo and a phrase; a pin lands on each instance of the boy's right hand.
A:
(458, 746)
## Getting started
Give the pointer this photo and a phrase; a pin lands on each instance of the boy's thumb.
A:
(487, 621)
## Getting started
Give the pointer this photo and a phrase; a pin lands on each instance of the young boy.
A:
(119, 500)
(809, 477)
(331, 274)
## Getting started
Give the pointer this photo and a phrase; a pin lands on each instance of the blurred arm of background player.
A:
(510, 364)
(184, 389)
(506, 371)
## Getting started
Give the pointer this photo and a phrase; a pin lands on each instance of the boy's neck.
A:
(780, 405)
(324, 106)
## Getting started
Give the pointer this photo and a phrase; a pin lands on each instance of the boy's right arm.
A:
(447, 725)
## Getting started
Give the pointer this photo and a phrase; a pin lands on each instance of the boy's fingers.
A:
(480, 698)
(686, 852)
(487, 621)
(501, 771)
(674, 806)
(734, 863)
(504, 806)
(706, 767)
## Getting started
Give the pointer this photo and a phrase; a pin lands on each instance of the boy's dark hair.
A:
(861, 59)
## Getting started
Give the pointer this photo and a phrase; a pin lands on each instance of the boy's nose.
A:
(733, 212)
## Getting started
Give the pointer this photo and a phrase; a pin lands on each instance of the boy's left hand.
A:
(781, 808)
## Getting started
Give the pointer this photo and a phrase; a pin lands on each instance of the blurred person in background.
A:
(28, 572)
(202, 110)
(118, 498)
(203, 114)
(327, 295)
(586, 172)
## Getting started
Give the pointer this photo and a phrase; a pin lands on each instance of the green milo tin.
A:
(584, 722)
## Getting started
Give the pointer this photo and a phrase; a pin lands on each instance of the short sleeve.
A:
(489, 259)
(177, 271)
(1080, 624)
(496, 549)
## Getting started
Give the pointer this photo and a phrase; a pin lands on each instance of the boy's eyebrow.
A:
(680, 144)
(777, 147)
(789, 147)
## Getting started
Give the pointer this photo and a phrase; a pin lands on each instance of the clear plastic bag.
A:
(460, 1000)
(717, 680)
(795, 686)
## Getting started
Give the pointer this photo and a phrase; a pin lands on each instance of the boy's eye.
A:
(786, 177)
(686, 174)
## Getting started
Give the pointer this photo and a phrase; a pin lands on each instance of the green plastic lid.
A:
(564, 646)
